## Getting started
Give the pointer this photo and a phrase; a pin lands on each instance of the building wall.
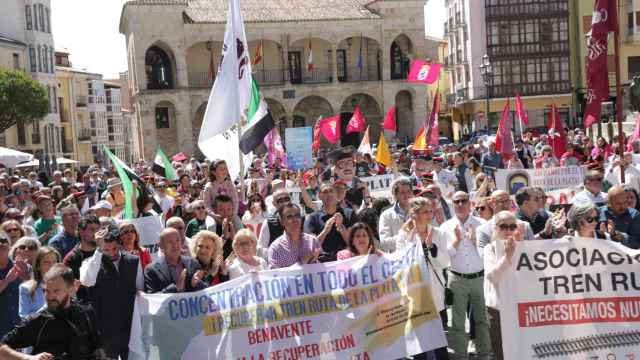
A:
(7, 52)
(186, 46)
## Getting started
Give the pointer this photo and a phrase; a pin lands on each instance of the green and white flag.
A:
(259, 123)
(162, 166)
(127, 185)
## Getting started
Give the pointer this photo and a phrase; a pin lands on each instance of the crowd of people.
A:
(70, 266)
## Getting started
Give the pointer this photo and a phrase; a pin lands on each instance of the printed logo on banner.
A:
(548, 179)
(517, 180)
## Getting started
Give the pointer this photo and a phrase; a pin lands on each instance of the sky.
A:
(88, 29)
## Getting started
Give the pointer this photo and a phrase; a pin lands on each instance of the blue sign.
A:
(298, 144)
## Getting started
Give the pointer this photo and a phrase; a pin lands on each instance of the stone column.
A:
(284, 42)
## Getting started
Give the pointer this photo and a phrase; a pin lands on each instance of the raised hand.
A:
(181, 280)
(197, 278)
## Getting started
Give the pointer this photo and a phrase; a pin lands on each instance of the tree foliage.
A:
(22, 99)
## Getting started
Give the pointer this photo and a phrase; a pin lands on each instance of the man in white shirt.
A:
(444, 178)
(592, 193)
(631, 172)
(165, 201)
(466, 278)
(392, 219)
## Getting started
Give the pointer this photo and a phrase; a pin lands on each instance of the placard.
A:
(298, 143)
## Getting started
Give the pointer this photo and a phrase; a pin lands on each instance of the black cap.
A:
(346, 152)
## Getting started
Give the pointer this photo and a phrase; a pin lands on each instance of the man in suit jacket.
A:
(173, 272)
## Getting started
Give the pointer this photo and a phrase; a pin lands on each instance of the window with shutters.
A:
(32, 59)
(35, 17)
(47, 20)
(41, 16)
(27, 14)
(39, 58)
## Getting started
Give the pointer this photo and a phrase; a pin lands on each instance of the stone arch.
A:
(404, 113)
(297, 61)
(279, 115)
(401, 53)
(203, 59)
(166, 125)
(270, 70)
(371, 110)
(160, 66)
(348, 56)
(309, 109)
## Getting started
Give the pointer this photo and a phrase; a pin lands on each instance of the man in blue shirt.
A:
(66, 240)
(624, 220)
(491, 158)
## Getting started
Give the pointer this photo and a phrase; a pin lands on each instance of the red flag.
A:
(504, 140)
(433, 133)
(357, 122)
(424, 72)
(520, 111)
(330, 128)
(390, 120)
(604, 20)
(557, 136)
(635, 135)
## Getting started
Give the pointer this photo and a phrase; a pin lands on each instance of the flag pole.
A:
(616, 58)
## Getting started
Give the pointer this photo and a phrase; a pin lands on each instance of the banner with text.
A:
(368, 307)
(571, 299)
(379, 185)
(511, 180)
(298, 144)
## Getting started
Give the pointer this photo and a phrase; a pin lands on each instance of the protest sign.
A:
(368, 307)
(379, 185)
(571, 299)
(548, 179)
(298, 143)
(149, 228)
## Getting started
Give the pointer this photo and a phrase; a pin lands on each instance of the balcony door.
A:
(295, 67)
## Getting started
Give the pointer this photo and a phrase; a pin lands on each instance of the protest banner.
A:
(548, 179)
(367, 307)
(379, 185)
(298, 144)
(570, 299)
(149, 228)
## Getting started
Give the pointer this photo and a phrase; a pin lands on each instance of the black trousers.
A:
(495, 332)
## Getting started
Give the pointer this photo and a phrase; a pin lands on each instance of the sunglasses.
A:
(28, 247)
(510, 227)
(283, 200)
(12, 230)
(481, 208)
(591, 219)
(460, 201)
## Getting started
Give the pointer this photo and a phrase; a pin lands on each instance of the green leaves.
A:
(22, 99)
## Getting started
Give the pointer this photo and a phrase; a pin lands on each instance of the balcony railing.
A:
(35, 138)
(201, 79)
(84, 134)
(355, 74)
(268, 77)
(317, 76)
(81, 100)
(524, 49)
(558, 7)
(539, 88)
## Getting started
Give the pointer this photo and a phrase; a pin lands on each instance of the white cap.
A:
(102, 204)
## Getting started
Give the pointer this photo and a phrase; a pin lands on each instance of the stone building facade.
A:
(361, 54)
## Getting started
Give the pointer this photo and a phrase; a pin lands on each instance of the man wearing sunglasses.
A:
(466, 277)
(500, 201)
(294, 246)
(592, 193)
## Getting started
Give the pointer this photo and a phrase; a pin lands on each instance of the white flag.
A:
(365, 145)
(229, 97)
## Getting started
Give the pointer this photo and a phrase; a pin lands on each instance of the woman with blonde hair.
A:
(506, 231)
(25, 248)
(244, 260)
(31, 292)
(419, 230)
(13, 229)
(131, 243)
(206, 247)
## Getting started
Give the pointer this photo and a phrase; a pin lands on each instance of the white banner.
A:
(149, 228)
(367, 307)
(379, 185)
(571, 299)
(548, 179)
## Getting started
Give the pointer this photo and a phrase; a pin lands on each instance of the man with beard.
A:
(112, 278)
(85, 249)
(62, 330)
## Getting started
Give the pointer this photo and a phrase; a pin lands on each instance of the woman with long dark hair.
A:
(131, 243)
(360, 242)
(219, 183)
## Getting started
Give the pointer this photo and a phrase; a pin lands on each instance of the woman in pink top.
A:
(360, 242)
(219, 183)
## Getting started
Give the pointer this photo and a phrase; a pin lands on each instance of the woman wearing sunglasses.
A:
(131, 243)
(13, 229)
(507, 231)
(26, 248)
(583, 220)
(31, 292)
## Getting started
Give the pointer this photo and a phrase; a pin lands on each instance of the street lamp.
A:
(486, 69)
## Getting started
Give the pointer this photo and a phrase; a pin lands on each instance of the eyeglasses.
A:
(480, 208)
(28, 247)
(510, 227)
(460, 201)
(293, 217)
(283, 200)
(591, 219)
(12, 230)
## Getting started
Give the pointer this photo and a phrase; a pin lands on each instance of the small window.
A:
(35, 17)
(27, 14)
(162, 118)
(47, 20)
(16, 61)
(32, 59)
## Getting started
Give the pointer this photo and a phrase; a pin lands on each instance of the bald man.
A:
(499, 201)
(625, 221)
